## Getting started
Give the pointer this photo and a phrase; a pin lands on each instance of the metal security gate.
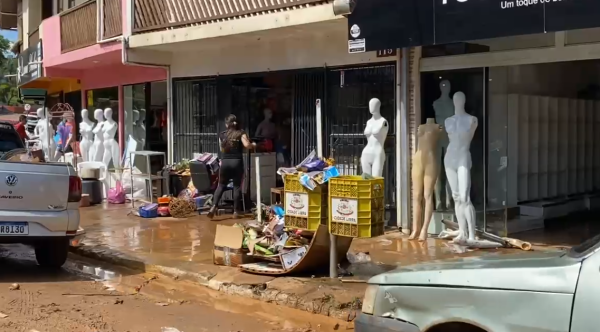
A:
(349, 91)
(195, 118)
(307, 88)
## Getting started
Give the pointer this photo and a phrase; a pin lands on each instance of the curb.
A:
(326, 305)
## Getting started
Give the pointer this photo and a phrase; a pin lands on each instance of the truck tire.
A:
(52, 254)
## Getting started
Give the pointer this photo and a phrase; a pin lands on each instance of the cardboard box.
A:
(228, 249)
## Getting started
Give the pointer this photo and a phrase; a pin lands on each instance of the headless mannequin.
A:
(267, 129)
(461, 129)
(87, 136)
(444, 108)
(97, 151)
(140, 127)
(45, 133)
(373, 155)
(425, 171)
(111, 147)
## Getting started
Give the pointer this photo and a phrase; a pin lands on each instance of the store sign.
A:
(388, 24)
(30, 64)
(296, 205)
(344, 210)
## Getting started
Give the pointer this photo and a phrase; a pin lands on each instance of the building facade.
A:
(72, 52)
(281, 59)
(530, 78)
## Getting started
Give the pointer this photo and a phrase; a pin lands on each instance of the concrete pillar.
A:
(121, 119)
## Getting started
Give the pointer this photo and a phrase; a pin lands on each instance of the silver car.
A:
(551, 291)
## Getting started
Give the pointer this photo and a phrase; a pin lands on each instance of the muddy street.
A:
(89, 297)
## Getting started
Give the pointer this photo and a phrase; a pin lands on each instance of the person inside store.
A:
(20, 127)
(64, 134)
(232, 141)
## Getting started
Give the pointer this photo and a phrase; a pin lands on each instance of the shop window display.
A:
(454, 100)
(146, 119)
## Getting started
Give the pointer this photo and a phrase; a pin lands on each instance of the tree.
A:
(9, 93)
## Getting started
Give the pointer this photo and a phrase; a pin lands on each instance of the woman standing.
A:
(232, 141)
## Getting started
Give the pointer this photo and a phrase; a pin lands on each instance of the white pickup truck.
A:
(39, 203)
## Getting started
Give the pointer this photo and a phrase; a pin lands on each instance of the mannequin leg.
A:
(107, 156)
(453, 180)
(428, 185)
(464, 183)
(116, 159)
(83, 150)
(378, 165)
(448, 196)
(439, 183)
(417, 182)
(366, 165)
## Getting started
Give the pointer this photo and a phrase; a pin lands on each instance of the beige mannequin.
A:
(425, 171)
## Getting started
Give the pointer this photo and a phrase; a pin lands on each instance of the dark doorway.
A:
(74, 100)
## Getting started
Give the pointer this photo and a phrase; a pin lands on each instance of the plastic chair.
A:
(103, 172)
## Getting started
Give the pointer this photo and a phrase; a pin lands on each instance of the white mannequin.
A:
(266, 128)
(139, 128)
(111, 147)
(461, 129)
(97, 150)
(87, 136)
(444, 108)
(373, 155)
(45, 133)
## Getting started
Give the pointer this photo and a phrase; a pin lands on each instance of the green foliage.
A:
(9, 93)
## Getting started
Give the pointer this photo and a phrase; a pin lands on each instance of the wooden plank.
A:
(78, 27)
(212, 10)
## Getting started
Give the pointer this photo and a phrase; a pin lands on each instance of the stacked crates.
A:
(356, 206)
(304, 209)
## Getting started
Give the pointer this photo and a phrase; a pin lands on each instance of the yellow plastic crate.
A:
(304, 209)
(356, 206)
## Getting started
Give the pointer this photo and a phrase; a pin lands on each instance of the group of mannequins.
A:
(98, 141)
(443, 148)
(448, 135)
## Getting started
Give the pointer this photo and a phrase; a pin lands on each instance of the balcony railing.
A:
(161, 14)
(34, 37)
(112, 24)
(78, 27)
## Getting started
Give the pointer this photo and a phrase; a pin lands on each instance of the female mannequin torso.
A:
(87, 136)
(425, 171)
(373, 155)
(111, 147)
(97, 150)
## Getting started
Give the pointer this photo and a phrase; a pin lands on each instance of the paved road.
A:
(86, 297)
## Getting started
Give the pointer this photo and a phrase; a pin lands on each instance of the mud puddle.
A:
(166, 290)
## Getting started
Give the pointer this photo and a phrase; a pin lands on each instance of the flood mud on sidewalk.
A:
(182, 248)
(90, 296)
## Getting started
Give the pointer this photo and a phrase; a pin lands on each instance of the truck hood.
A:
(552, 272)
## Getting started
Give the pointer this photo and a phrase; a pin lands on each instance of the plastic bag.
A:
(116, 195)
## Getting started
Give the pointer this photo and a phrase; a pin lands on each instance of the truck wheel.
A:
(52, 254)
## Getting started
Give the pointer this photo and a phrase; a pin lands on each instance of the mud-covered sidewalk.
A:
(182, 249)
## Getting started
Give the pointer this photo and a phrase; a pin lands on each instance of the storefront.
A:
(283, 80)
(529, 73)
(143, 119)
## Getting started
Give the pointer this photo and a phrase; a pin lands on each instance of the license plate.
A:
(14, 228)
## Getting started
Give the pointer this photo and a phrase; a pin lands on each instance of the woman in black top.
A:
(232, 141)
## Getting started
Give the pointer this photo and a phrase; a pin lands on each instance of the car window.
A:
(6, 146)
(586, 247)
